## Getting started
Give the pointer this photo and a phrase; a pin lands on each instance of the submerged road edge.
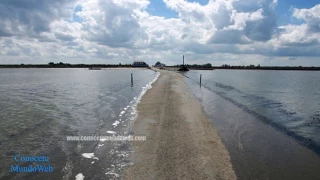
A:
(181, 143)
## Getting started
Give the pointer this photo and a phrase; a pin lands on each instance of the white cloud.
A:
(240, 19)
(310, 16)
(303, 38)
(111, 23)
(113, 31)
(31, 17)
(112, 54)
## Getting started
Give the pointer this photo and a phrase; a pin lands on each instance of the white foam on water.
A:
(89, 156)
(79, 147)
(115, 124)
(80, 176)
(111, 151)
(123, 154)
(111, 132)
(112, 173)
(137, 99)
(100, 145)
(67, 169)
(92, 162)
(131, 111)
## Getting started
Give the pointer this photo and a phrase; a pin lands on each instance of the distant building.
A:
(160, 65)
(139, 64)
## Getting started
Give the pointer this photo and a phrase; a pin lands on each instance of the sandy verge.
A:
(181, 142)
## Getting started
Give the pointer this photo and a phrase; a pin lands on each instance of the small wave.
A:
(287, 112)
(111, 132)
(89, 156)
(314, 120)
(228, 88)
(272, 104)
(112, 174)
(309, 143)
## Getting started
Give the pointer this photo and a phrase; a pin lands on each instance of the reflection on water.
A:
(40, 107)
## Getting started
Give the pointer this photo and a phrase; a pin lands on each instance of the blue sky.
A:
(283, 9)
(237, 32)
(158, 8)
(74, 16)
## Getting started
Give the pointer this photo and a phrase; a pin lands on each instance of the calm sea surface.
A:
(268, 120)
(39, 108)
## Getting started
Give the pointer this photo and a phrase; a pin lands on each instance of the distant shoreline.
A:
(281, 68)
(69, 66)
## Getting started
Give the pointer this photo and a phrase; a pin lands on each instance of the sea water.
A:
(269, 121)
(40, 108)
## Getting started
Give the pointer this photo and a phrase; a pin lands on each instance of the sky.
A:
(235, 32)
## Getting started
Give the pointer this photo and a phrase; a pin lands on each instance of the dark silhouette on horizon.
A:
(207, 66)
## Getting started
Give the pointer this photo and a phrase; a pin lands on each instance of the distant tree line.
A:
(63, 65)
(207, 66)
(58, 64)
(226, 66)
(251, 66)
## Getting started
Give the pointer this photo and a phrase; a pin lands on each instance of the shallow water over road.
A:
(268, 120)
